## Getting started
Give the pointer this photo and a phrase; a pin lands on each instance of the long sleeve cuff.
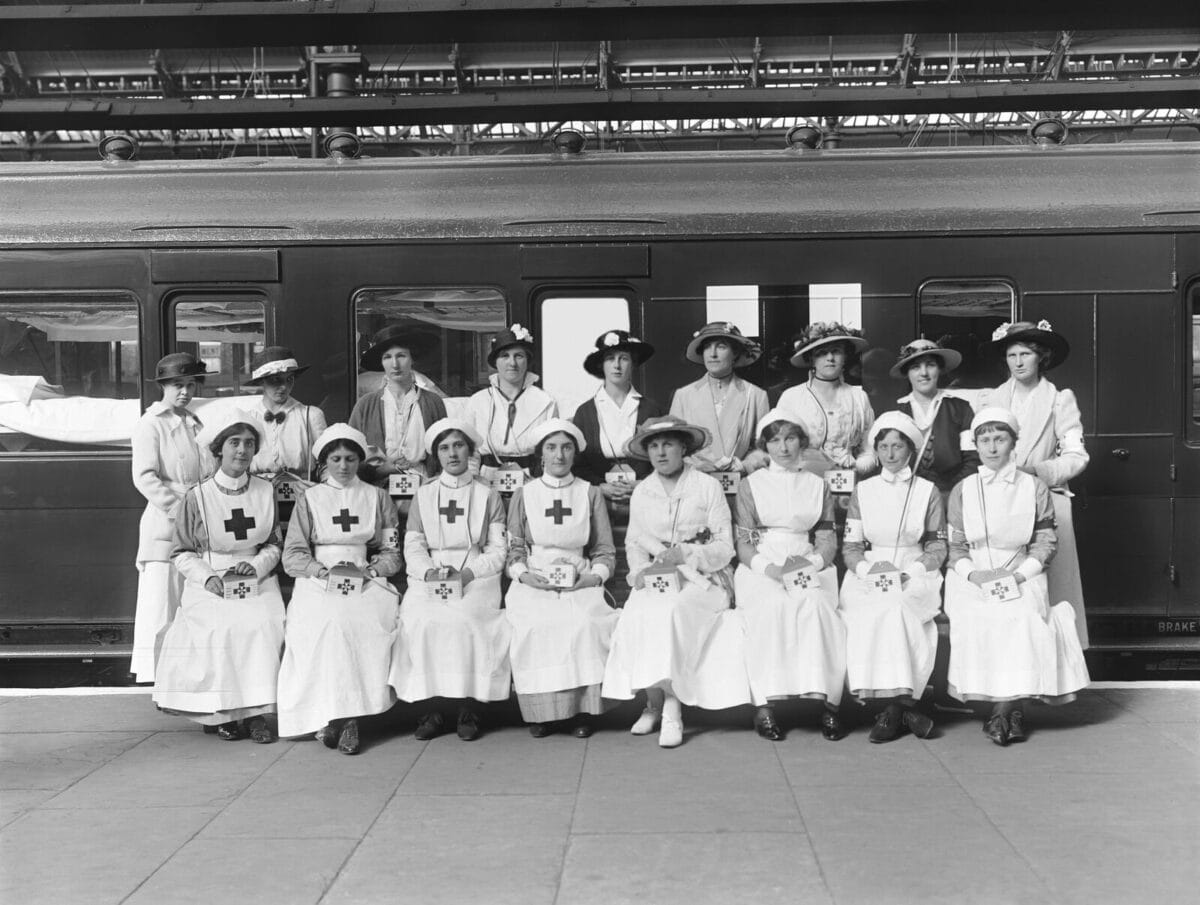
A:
(915, 569)
(759, 564)
(862, 569)
(602, 570)
(1030, 567)
(964, 567)
(817, 560)
(516, 570)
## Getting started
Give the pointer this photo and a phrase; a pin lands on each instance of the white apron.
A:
(452, 648)
(221, 657)
(891, 640)
(795, 645)
(560, 639)
(339, 649)
(1021, 648)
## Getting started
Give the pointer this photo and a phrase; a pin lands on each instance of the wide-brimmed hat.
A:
(698, 437)
(750, 350)
(616, 341)
(219, 420)
(442, 425)
(895, 421)
(1027, 331)
(405, 337)
(516, 335)
(339, 431)
(919, 348)
(555, 426)
(180, 364)
(275, 360)
(824, 333)
(994, 413)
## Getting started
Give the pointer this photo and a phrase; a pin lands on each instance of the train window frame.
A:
(183, 295)
(990, 279)
(357, 345)
(1191, 354)
(108, 450)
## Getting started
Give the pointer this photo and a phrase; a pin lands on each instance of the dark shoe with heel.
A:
(540, 730)
(766, 726)
(918, 723)
(231, 732)
(468, 725)
(831, 726)
(328, 735)
(348, 738)
(583, 727)
(889, 726)
(1016, 726)
(260, 732)
(429, 727)
(996, 729)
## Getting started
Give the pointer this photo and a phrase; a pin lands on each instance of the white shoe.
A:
(647, 722)
(671, 734)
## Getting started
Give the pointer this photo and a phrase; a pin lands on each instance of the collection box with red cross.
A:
(621, 477)
(288, 488)
(886, 582)
(840, 480)
(345, 580)
(561, 575)
(662, 579)
(799, 577)
(729, 480)
(403, 484)
(239, 587)
(1002, 590)
(508, 479)
(447, 586)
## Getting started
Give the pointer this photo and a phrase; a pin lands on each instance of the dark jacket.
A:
(591, 465)
(945, 461)
(368, 418)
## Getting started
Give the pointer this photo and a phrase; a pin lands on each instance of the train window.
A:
(840, 302)
(461, 321)
(736, 304)
(962, 315)
(224, 332)
(70, 378)
(1194, 395)
(569, 325)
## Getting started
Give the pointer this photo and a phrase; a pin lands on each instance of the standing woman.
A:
(506, 412)
(339, 647)
(683, 645)
(287, 427)
(219, 664)
(1008, 643)
(166, 462)
(896, 532)
(453, 647)
(720, 402)
(834, 415)
(394, 420)
(795, 641)
(946, 453)
(560, 636)
(1051, 440)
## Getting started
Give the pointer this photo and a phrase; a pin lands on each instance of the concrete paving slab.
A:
(456, 849)
(812, 760)
(717, 782)
(172, 768)
(94, 856)
(1159, 705)
(55, 760)
(262, 871)
(691, 869)
(313, 792)
(502, 762)
(90, 713)
(1188, 736)
(15, 802)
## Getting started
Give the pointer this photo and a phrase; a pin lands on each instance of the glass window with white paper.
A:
(225, 333)
(569, 326)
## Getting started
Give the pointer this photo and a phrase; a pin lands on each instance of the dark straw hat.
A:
(750, 350)
(405, 337)
(920, 348)
(516, 335)
(616, 341)
(180, 364)
(275, 360)
(698, 437)
(824, 333)
(1029, 332)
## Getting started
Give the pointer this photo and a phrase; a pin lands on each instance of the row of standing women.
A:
(676, 638)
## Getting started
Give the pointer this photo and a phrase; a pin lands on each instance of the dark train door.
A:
(1183, 616)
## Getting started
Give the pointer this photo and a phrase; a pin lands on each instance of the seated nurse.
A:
(1008, 643)
(219, 663)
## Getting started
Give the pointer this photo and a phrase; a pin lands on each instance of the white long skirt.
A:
(220, 658)
(795, 646)
(337, 656)
(160, 587)
(891, 642)
(1062, 575)
(560, 640)
(452, 648)
(1002, 651)
(691, 640)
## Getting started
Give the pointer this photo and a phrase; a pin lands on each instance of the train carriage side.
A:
(221, 260)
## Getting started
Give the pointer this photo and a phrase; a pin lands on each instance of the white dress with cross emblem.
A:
(689, 638)
(891, 638)
(447, 647)
(220, 658)
(560, 639)
(1004, 650)
(795, 643)
(339, 649)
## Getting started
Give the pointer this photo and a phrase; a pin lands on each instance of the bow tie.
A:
(274, 416)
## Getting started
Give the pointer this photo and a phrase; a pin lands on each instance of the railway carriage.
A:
(106, 267)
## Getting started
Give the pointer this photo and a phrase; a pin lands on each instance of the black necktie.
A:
(274, 416)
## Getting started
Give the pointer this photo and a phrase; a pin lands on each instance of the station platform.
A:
(105, 800)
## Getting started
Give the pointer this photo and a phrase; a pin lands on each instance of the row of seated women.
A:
(684, 564)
